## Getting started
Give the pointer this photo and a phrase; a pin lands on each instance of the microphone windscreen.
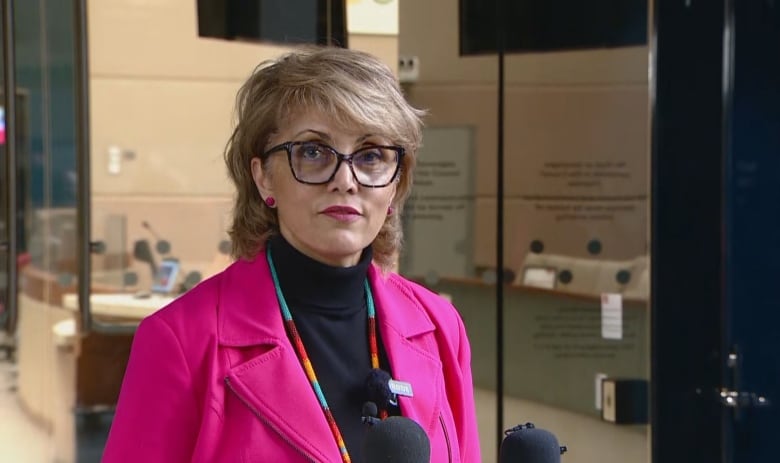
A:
(396, 439)
(378, 388)
(527, 444)
(369, 409)
(163, 246)
(142, 252)
(192, 279)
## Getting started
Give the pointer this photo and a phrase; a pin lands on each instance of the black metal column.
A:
(687, 228)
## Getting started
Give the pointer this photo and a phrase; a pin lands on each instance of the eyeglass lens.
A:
(316, 163)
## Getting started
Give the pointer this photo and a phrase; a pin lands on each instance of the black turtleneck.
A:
(328, 306)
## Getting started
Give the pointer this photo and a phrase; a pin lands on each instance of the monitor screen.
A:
(274, 21)
(552, 25)
(166, 276)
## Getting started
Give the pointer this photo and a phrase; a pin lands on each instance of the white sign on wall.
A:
(377, 17)
(439, 213)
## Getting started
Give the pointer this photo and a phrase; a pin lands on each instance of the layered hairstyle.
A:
(352, 88)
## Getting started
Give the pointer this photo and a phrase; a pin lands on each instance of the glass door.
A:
(575, 221)
(752, 379)
(715, 144)
(532, 208)
(9, 247)
(38, 230)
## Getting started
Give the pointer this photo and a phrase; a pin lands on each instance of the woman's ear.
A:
(262, 178)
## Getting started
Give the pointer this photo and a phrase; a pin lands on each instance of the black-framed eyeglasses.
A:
(315, 163)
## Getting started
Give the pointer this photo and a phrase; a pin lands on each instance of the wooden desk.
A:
(62, 373)
(100, 358)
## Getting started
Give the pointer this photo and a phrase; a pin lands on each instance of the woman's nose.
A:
(344, 179)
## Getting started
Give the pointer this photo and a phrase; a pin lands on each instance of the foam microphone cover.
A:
(370, 410)
(528, 444)
(192, 279)
(396, 439)
(378, 388)
(142, 252)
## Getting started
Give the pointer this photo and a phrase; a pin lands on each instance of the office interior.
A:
(538, 159)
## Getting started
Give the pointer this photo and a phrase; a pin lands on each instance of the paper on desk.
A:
(611, 316)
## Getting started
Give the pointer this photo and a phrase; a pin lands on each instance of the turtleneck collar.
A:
(310, 285)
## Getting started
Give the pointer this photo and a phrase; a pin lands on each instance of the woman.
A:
(269, 360)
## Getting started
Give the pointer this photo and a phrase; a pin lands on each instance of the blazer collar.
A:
(249, 312)
(249, 315)
(389, 295)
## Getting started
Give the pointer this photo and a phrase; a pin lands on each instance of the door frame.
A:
(10, 245)
(689, 108)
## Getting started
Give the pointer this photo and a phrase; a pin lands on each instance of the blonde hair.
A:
(353, 88)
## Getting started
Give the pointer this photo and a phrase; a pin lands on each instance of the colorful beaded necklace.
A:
(300, 350)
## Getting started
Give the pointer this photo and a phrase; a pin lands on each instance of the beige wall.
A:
(563, 106)
(163, 93)
(165, 96)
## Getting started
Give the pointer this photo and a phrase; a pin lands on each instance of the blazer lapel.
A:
(406, 332)
(271, 384)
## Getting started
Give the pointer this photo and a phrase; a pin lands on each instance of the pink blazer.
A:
(212, 377)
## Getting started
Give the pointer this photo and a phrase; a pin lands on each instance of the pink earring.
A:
(390, 210)
(270, 201)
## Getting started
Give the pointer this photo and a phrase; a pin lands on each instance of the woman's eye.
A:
(369, 156)
(311, 151)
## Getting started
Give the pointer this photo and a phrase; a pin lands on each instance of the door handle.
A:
(738, 399)
(97, 247)
(734, 398)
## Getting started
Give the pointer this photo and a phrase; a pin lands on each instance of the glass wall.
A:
(574, 208)
(451, 239)
(576, 238)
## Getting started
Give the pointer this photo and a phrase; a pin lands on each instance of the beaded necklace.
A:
(300, 350)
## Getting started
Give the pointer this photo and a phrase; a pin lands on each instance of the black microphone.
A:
(142, 252)
(192, 279)
(396, 439)
(378, 389)
(526, 443)
(148, 226)
(370, 412)
(162, 246)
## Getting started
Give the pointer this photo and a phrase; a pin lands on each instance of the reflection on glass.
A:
(576, 219)
(575, 213)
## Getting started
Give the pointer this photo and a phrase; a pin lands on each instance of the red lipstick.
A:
(342, 213)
